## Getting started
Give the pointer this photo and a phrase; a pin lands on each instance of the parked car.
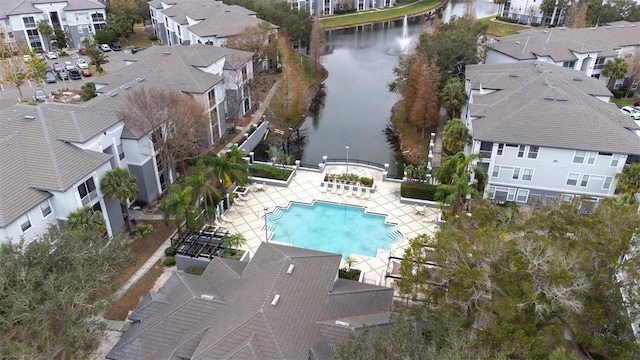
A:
(52, 55)
(105, 47)
(40, 56)
(50, 77)
(82, 64)
(68, 65)
(136, 49)
(40, 95)
(26, 57)
(62, 75)
(85, 72)
(115, 46)
(57, 68)
(74, 74)
(635, 114)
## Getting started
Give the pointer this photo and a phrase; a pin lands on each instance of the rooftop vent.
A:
(577, 79)
(113, 94)
(517, 42)
(341, 323)
(548, 98)
(29, 117)
(167, 52)
(608, 27)
(290, 269)
(140, 79)
(207, 297)
(275, 300)
(127, 87)
(513, 75)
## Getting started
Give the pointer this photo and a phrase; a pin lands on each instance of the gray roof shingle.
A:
(560, 43)
(243, 324)
(546, 105)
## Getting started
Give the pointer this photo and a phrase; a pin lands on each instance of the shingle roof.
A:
(547, 105)
(235, 319)
(214, 17)
(558, 43)
(38, 158)
(19, 7)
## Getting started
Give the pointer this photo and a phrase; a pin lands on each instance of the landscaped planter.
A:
(353, 274)
(241, 190)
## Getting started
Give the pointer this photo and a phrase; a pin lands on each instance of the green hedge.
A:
(269, 172)
(421, 191)
(169, 261)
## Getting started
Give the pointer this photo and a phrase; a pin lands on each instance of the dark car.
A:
(74, 74)
(63, 76)
(115, 46)
(136, 49)
(50, 77)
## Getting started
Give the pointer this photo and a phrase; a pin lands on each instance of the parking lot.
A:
(8, 91)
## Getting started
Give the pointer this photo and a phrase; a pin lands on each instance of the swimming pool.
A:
(332, 227)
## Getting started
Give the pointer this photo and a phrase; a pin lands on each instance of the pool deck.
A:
(248, 218)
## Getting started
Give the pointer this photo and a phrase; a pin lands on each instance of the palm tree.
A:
(86, 221)
(179, 204)
(121, 185)
(615, 69)
(454, 176)
(234, 241)
(455, 136)
(453, 96)
(227, 170)
(203, 188)
(349, 261)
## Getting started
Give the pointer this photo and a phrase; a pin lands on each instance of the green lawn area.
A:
(624, 102)
(417, 7)
(499, 28)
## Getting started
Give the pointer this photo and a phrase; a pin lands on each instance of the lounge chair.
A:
(341, 190)
(365, 193)
(224, 218)
(325, 188)
(219, 224)
(335, 188)
(352, 191)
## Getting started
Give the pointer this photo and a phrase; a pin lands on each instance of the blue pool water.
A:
(330, 227)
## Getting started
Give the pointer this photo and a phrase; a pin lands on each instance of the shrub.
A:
(143, 229)
(153, 37)
(194, 270)
(87, 91)
(269, 172)
(168, 251)
(63, 54)
(366, 181)
(169, 261)
(353, 274)
(420, 191)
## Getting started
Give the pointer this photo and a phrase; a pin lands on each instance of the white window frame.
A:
(533, 154)
(120, 151)
(522, 149)
(584, 182)
(520, 194)
(608, 180)
(496, 171)
(44, 206)
(516, 173)
(511, 194)
(579, 156)
(570, 178)
(591, 157)
(500, 149)
(615, 158)
(25, 223)
(524, 174)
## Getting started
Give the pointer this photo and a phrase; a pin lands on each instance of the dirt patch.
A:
(414, 148)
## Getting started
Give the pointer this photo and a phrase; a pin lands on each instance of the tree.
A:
(87, 221)
(401, 73)
(349, 261)
(52, 292)
(121, 185)
(424, 81)
(317, 46)
(257, 40)
(60, 37)
(629, 179)
(634, 67)
(234, 241)
(227, 169)
(501, 4)
(176, 123)
(179, 205)
(202, 182)
(547, 7)
(290, 94)
(455, 136)
(577, 16)
(453, 45)
(88, 91)
(45, 29)
(96, 57)
(454, 176)
(453, 96)
(14, 74)
(121, 17)
(615, 69)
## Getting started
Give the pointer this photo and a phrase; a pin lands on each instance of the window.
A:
(607, 182)
(97, 17)
(500, 149)
(569, 64)
(516, 173)
(521, 149)
(29, 22)
(25, 222)
(599, 64)
(614, 160)
(496, 171)
(591, 157)
(87, 191)
(533, 152)
(522, 195)
(578, 157)
(120, 151)
(572, 179)
(511, 195)
(527, 174)
(45, 208)
(585, 180)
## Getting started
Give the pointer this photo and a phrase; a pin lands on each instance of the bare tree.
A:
(577, 15)
(425, 107)
(255, 39)
(317, 45)
(634, 67)
(175, 122)
(290, 97)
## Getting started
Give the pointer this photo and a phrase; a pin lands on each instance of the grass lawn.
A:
(499, 28)
(625, 101)
(337, 21)
(139, 38)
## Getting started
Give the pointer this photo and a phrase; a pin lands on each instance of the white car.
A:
(105, 47)
(82, 64)
(68, 65)
(628, 110)
(52, 55)
(26, 58)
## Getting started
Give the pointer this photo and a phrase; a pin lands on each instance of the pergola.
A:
(199, 243)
